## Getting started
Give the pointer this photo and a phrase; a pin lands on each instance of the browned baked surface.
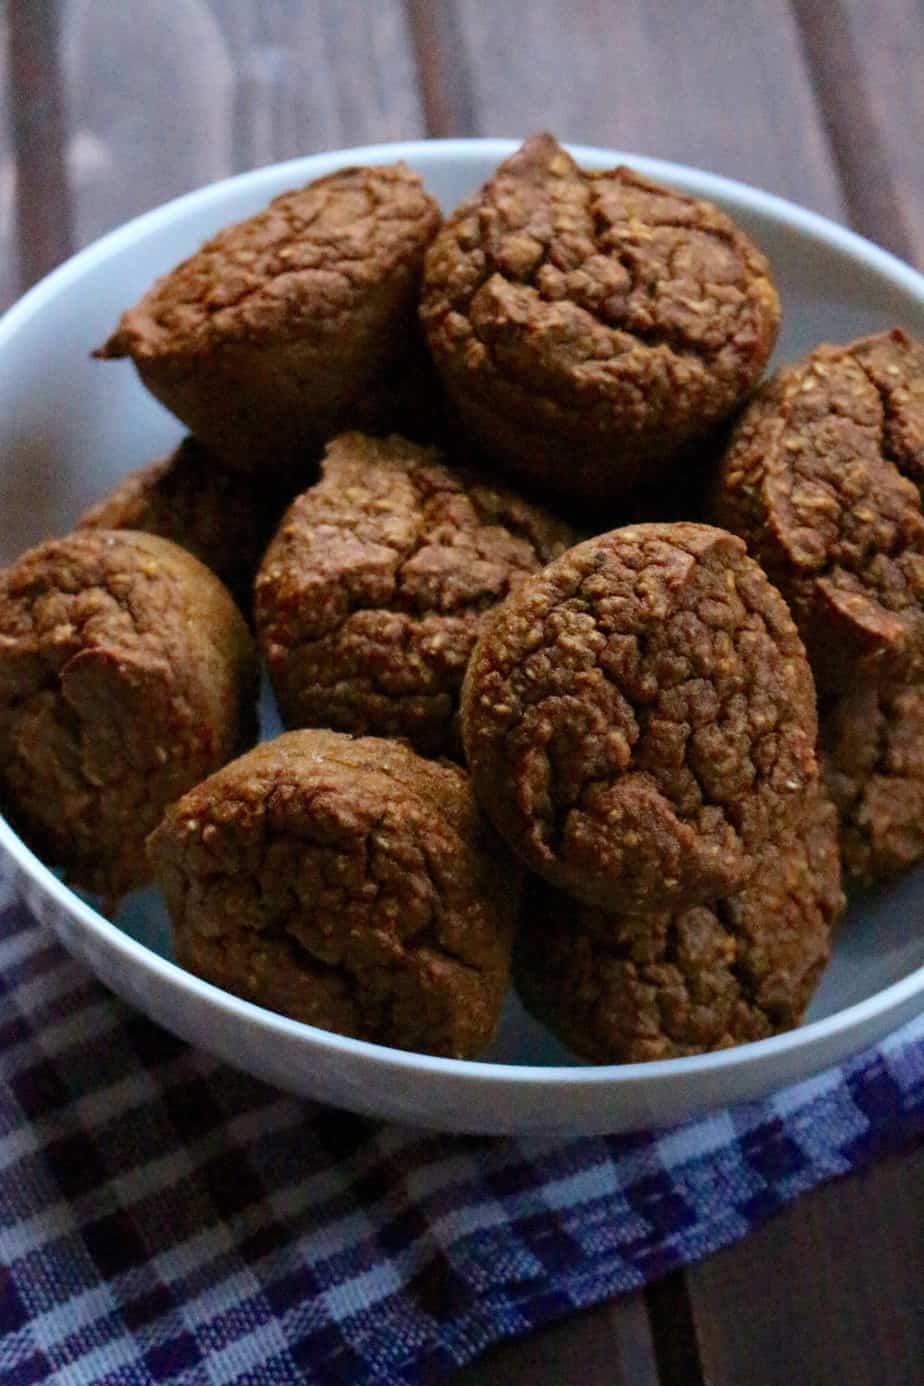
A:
(349, 884)
(126, 674)
(225, 519)
(265, 339)
(623, 989)
(590, 326)
(872, 744)
(823, 479)
(373, 591)
(640, 716)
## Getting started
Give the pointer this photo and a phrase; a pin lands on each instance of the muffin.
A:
(127, 674)
(625, 989)
(349, 884)
(593, 328)
(872, 747)
(225, 519)
(281, 328)
(372, 593)
(639, 718)
(823, 480)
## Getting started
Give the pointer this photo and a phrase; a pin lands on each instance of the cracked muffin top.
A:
(591, 325)
(371, 595)
(639, 717)
(348, 883)
(318, 260)
(871, 740)
(288, 327)
(823, 479)
(127, 673)
(623, 989)
(224, 518)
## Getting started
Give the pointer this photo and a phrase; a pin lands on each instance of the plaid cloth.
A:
(165, 1219)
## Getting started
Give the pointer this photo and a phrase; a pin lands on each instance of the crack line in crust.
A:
(402, 629)
(642, 713)
(896, 546)
(600, 229)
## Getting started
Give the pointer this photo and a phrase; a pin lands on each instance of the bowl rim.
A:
(741, 197)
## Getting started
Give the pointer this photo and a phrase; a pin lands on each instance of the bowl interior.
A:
(70, 426)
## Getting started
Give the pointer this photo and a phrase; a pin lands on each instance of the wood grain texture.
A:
(41, 201)
(674, 1332)
(721, 85)
(443, 73)
(827, 1293)
(9, 254)
(866, 59)
(164, 98)
(610, 1344)
(319, 75)
(148, 92)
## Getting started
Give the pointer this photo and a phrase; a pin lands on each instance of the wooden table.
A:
(108, 107)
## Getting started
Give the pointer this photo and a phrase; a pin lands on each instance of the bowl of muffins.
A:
(462, 631)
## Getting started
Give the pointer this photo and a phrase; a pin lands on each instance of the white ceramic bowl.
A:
(70, 426)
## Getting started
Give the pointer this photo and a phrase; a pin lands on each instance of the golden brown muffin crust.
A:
(823, 480)
(349, 884)
(288, 326)
(126, 674)
(872, 745)
(223, 518)
(639, 716)
(373, 591)
(590, 325)
(317, 260)
(623, 989)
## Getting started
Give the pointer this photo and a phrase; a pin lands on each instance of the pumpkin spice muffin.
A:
(372, 594)
(225, 519)
(823, 480)
(267, 339)
(872, 747)
(622, 989)
(639, 718)
(127, 674)
(593, 327)
(346, 883)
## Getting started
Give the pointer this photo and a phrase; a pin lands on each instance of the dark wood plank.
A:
(890, 37)
(319, 75)
(445, 85)
(720, 84)
(149, 95)
(609, 1344)
(164, 98)
(830, 1292)
(674, 1332)
(42, 203)
(9, 256)
(866, 61)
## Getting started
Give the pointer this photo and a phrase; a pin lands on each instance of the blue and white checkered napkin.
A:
(166, 1219)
